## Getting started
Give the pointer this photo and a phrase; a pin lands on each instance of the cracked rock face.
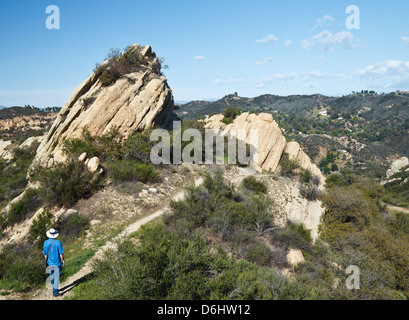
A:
(138, 99)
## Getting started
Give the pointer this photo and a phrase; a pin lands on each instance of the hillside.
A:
(373, 107)
(372, 129)
(19, 123)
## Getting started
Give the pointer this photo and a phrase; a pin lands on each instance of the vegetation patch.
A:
(66, 183)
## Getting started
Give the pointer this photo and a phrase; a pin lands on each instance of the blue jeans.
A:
(55, 273)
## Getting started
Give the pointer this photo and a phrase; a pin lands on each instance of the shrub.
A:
(230, 113)
(128, 170)
(259, 254)
(138, 147)
(259, 210)
(76, 146)
(21, 268)
(288, 166)
(252, 184)
(345, 178)
(22, 209)
(300, 229)
(105, 147)
(66, 183)
(291, 237)
(309, 191)
(316, 180)
(72, 226)
(306, 175)
(13, 173)
(119, 64)
(40, 224)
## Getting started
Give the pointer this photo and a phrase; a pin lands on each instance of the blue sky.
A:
(213, 48)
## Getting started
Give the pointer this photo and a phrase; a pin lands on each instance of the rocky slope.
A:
(139, 98)
(18, 123)
(270, 142)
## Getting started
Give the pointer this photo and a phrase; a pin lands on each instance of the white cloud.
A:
(265, 60)
(389, 68)
(268, 38)
(229, 81)
(323, 22)
(390, 74)
(288, 42)
(199, 58)
(330, 40)
(406, 40)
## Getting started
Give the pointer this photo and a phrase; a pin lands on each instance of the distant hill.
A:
(2, 107)
(380, 122)
(9, 113)
(19, 123)
(371, 106)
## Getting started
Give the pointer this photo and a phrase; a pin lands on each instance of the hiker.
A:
(54, 256)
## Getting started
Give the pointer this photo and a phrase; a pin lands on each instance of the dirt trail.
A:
(71, 282)
(395, 208)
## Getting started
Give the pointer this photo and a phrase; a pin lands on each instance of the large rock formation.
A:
(270, 142)
(139, 98)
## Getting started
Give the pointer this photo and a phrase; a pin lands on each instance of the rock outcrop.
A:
(270, 144)
(295, 257)
(138, 99)
(397, 166)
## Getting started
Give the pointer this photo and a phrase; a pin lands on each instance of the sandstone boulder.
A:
(397, 166)
(295, 152)
(135, 101)
(295, 257)
(93, 164)
(82, 157)
(270, 144)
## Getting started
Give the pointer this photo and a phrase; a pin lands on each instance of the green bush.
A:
(105, 147)
(129, 170)
(258, 253)
(13, 173)
(306, 175)
(309, 191)
(304, 232)
(40, 224)
(24, 208)
(288, 166)
(356, 230)
(72, 226)
(119, 64)
(21, 268)
(138, 147)
(66, 183)
(252, 184)
(230, 113)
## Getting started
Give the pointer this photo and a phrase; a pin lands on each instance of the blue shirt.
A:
(54, 256)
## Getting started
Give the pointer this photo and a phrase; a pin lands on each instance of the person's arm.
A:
(62, 259)
(45, 257)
